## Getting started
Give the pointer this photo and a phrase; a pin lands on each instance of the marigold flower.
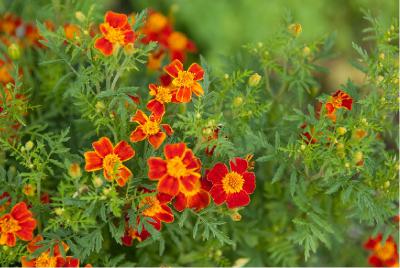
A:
(157, 28)
(232, 187)
(185, 82)
(150, 128)
(116, 31)
(18, 223)
(9, 24)
(179, 172)
(162, 95)
(339, 99)
(178, 45)
(48, 258)
(110, 159)
(383, 254)
(71, 31)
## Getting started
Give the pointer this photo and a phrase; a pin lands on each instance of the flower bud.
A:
(303, 147)
(226, 76)
(386, 184)
(237, 101)
(59, 211)
(358, 158)
(29, 189)
(295, 29)
(80, 16)
(306, 51)
(382, 56)
(74, 170)
(29, 145)
(341, 130)
(129, 49)
(254, 80)
(359, 134)
(236, 216)
(100, 106)
(97, 182)
(14, 51)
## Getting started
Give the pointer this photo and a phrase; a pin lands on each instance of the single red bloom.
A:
(18, 223)
(46, 258)
(179, 172)
(185, 82)
(150, 128)
(232, 187)
(178, 45)
(110, 159)
(383, 254)
(161, 96)
(116, 32)
(339, 99)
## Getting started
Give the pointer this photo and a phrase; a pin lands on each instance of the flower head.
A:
(383, 254)
(161, 96)
(18, 223)
(110, 159)
(179, 172)
(338, 100)
(48, 258)
(185, 82)
(116, 32)
(150, 128)
(234, 186)
(178, 45)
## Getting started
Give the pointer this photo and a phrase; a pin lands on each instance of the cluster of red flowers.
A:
(178, 174)
(384, 254)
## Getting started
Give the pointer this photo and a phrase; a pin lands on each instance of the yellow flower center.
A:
(151, 127)
(152, 204)
(177, 41)
(111, 163)
(232, 182)
(176, 168)
(386, 251)
(156, 22)
(115, 36)
(163, 94)
(184, 79)
(45, 260)
(9, 225)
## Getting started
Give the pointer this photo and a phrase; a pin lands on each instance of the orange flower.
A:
(48, 258)
(178, 45)
(150, 128)
(116, 31)
(71, 31)
(157, 28)
(185, 82)
(5, 72)
(338, 100)
(179, 172)
(232, 187)
(383, 254)
(198, 198)
(154, 207)
(19, 222)
(110, 159)
(162, 95)
(9, 24)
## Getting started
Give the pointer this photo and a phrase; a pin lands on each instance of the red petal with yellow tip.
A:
(180, 202)
(105, 46)
(124, 151)
(157, 139)
(140, 117)
(197, 89)
(168, 185)
(116, 20)
(93, 161)
(173, 68)
(124, 174)
(156, 107)
(103, 146)
(184, 94)
(157, 168)
(188, 182)
(167, 129)
(197, 71)
(138, 134)
(172, 150)
(238, 165)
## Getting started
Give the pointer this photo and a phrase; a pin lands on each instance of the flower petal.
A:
(173, 68)
(168, 185)
(140, 117)
(138, 134)
(93, 161)
(157, 168)
(165, 215)
(156, 107)
(180, 202)
(105, 46)
(116, 20)
(124, 151)
(172, 150)
(157, 139)
(124, 174)
(218, 194)
(188, 182)
(197, 89)
(184, 94)
(129, 37)
(20, 212)
(217, 173)
(239, 199)
(26, 231)
(249, 182)
(168, 129)
(238, 164)
(197, 70)
(199, 201)
(103, 147)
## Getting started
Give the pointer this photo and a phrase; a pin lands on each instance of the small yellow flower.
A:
(254, 80)
(74, 170)
(341, 130)
(29, 145)
(29, 189)
(237, 101)
(295, 29)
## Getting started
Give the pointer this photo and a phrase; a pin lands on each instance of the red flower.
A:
(157, 28)
(18, 223)
(383, 254)
(110, 158)
(154, 207)
(162, 95)
(338, 100)
(185, 82)
(307, 137)
(48, 258)
(9, 24)
(116, 31)
(178, 45)
(179, 172)
(71, 31)
(232, 187)
(198, 198)
(150, 128)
